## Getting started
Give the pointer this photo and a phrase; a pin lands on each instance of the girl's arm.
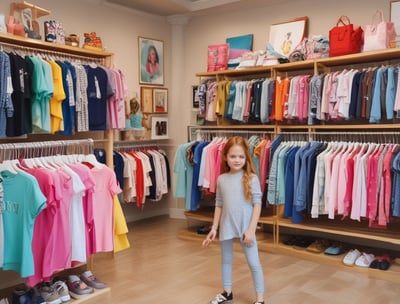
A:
(213, 232)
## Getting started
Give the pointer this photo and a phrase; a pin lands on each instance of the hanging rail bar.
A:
(46, 148)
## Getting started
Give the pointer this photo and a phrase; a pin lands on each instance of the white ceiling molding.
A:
(196, 5)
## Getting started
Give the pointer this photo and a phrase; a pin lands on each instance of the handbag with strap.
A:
(345, 38)
(379, 33)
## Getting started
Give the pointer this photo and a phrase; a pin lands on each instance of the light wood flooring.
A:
(161, 268)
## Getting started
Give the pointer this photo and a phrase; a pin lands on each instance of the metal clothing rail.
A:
(11, 151)
(131, 146)
(197, 134)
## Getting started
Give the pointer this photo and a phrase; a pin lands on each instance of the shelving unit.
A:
(352, 231)
(10, 279)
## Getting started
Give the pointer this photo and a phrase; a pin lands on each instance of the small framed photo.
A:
(151, 61)
(160, 100)
(159, 127)
(146, 99)
(195, 97)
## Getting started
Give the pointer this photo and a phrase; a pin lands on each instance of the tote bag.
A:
(345, 38)
(379, 33)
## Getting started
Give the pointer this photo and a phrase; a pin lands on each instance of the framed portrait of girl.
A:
(151, 61)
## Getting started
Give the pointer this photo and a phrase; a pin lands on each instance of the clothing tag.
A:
(10, 88)
(96, 84)
(21, 80)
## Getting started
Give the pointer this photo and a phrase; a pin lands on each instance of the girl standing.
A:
(237, 210)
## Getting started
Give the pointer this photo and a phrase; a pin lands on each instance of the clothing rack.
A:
(377, 136)
(208, 134)
(11, 151)
(134, 146)
(34, 51)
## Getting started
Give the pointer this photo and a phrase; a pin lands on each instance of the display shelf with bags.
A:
(350, 233)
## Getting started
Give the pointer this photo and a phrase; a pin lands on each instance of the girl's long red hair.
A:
(248, 167)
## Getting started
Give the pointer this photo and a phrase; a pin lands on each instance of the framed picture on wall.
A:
(159, 127)
(151, 61)
(160, 100)
(286, 36)
(146, 99)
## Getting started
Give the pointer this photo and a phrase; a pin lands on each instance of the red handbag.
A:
(345, 38)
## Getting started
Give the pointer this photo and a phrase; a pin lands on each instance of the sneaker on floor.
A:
(50, 295)
(222, 298)
(90, 280)
(62, 289)
(77, 288)
(21, 295)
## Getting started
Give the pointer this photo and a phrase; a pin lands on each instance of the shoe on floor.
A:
(90, 280)
(77, 288)
(50, 295)
(350, 258)
(62, 289)
(222, 298)
(364, 260)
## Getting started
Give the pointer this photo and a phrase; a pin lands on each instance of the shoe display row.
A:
(58, 291)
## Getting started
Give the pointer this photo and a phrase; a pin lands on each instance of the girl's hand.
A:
(248, 238)
(210, 237)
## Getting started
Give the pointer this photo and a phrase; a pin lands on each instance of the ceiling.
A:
(180, 7)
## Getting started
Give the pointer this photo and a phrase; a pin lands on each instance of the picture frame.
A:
(159, 127)
(286, 36)
(146, 99)
(151, 61)
(160, 100)
(195, 97)
(395, 14)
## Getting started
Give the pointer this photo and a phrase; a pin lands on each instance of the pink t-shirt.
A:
(44, 221)
(103, 199)
(59, 247)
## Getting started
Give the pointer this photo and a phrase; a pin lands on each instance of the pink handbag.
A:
(379, 33)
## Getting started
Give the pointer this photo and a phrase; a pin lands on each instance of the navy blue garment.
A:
(355, 97)
(119, 165)
(196, 190)
(289, 181)
(68, 110)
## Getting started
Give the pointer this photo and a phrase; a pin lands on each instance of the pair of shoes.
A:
(350, 258)
(90, 280)
(77, 288)
(318, 246)
(222, 298)
(62, 290)
(49, 294)
(259, 302)
(25, 295)
(365, 259)
(204, 230)
(334, 249)
(381, 262)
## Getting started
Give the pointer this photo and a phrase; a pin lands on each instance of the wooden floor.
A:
(161, 268)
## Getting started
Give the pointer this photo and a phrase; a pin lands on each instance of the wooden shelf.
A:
(360, 233)
(38, 45)
(348, 228)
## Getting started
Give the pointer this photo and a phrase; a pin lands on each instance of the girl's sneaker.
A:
(222, 298)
